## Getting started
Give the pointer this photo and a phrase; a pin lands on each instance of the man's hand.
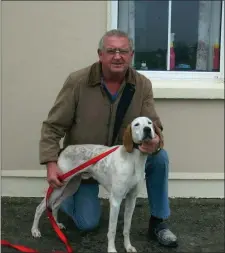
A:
(53, 172)
(150, 146)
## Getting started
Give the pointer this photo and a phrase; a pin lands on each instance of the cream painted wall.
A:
(41, 43)
(194, 134)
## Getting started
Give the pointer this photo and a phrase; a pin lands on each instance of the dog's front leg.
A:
(115, 202)
(130, 202)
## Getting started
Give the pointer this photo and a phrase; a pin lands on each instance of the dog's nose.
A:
(147, 130)
(147, 133)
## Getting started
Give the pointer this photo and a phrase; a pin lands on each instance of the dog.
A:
(120, 173)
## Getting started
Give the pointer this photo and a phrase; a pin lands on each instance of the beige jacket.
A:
(83, 114)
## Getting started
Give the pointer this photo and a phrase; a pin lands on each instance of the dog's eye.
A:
(137, 124)
(149, 123)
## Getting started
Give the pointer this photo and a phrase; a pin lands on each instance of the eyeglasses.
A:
(113, 51)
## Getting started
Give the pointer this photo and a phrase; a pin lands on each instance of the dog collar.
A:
(136, 146)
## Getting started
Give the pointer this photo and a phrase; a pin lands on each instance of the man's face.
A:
(116, 54)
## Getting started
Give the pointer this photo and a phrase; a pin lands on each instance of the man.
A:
(85, 112)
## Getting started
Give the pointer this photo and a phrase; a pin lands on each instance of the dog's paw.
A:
(61, 226)
(130, 248)
(112, 250)
(35, 232)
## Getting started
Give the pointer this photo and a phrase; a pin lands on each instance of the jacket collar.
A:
(95, 75)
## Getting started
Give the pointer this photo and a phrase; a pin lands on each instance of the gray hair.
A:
(117, 33)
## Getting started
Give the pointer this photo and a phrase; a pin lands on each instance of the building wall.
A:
(42, 42)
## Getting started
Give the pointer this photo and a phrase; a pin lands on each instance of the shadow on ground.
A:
(199, 225)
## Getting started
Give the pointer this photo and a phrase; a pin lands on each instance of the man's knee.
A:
(162, 156)
(157, 164)
(84, 207)
(86, 224)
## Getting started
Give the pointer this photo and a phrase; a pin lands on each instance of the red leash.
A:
(49, 211)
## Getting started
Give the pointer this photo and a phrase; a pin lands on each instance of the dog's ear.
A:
(159, 133)
(127, 139)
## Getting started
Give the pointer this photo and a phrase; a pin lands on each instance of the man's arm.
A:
(59, 119)
(148, 110)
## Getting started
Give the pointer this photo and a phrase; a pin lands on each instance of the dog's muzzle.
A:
(147, 134)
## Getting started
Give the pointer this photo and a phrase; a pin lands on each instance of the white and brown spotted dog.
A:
(120, 173)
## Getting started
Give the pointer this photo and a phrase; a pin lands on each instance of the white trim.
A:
(24, 173)
(169, 34)
(173, 175)
(222, 43)
(186, 89)
(188, 93)
(24, 183)
(182, 75)
(112, 15)
(210, 85)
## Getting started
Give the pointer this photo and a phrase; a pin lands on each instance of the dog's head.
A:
(141, 129)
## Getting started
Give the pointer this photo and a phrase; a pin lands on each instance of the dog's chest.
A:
(126, 182)
(131, 184)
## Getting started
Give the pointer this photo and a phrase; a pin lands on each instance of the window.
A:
(174, 36)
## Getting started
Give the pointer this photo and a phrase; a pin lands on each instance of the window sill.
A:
(188, 89)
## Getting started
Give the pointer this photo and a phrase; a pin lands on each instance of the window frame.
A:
(180, 84)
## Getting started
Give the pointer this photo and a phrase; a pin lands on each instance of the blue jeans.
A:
(84, 206)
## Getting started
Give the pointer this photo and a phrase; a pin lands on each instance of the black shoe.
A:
(161, 233)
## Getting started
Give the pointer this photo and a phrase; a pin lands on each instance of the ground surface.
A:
(199, 225)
